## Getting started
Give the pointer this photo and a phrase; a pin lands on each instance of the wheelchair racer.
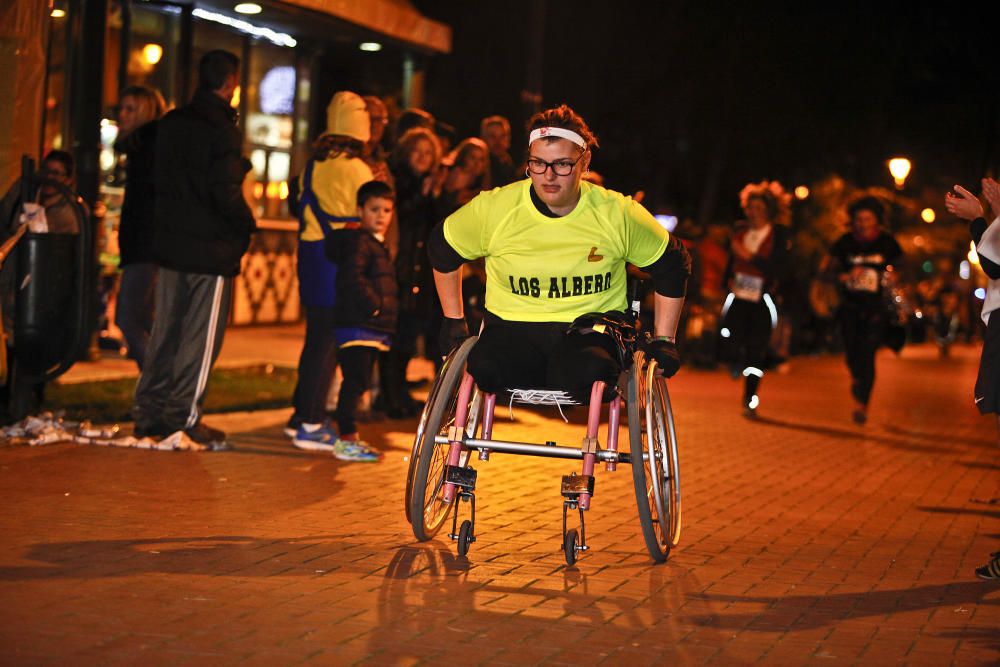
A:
(556, 249)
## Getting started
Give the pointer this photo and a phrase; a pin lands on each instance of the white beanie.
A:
(346, 115)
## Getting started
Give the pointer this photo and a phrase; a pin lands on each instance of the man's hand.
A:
(453, 331)
(991, 193)
(965, 205)
(664, 352)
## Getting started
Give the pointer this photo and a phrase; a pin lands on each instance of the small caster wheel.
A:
(464, 537)
(570, 543)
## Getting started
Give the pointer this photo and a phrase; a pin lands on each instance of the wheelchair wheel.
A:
(570, 542)
(426, 507)
(655, 470)
(464, 537)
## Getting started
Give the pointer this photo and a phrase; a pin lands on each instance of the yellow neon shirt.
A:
(335, 182)
(541, 269)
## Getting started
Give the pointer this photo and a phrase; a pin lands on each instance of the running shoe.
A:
(355, 450)
(320, 440)
(991, 570)
(154, 431)
(292, 426)
(203, 434)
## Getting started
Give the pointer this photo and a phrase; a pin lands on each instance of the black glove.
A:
(453, 331)
(664, 352)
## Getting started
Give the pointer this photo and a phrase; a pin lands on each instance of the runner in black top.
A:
(861, 259)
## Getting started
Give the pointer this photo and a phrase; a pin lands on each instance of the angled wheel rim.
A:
(654, 447)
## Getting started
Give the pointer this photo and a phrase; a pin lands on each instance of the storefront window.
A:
(153, 49)
(210, 36)
(270, 105)
(56, 79)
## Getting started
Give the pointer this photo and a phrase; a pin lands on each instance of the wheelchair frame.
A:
(440, 472)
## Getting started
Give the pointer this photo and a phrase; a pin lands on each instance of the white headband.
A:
(557, 132)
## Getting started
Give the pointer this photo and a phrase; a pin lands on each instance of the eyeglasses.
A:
(559, 167)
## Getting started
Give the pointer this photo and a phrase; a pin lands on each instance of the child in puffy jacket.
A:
(366, 309)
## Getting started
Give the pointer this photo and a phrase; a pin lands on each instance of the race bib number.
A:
(748, 287)
(865, 280)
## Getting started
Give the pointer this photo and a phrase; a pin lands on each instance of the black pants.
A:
(356, 363)
(514, 355)
(392, 370)
(191, 314)
(134, 309)
(863, 330)
(988, 382)
(749, 325)
(317, 364)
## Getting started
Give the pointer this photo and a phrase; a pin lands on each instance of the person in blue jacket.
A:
(327, 202)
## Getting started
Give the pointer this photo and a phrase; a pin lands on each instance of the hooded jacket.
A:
(203, 222)
(366, 281)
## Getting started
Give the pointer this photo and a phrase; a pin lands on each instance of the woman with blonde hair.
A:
(414, 164)
(139, 110)
(758, 260)
(468, 174)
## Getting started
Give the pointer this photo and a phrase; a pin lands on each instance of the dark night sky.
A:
(693, 99)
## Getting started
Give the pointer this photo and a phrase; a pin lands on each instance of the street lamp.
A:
(899, 167)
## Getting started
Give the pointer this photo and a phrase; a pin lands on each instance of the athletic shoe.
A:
(320, 440)
(355, 450)
(292, 426)
(860, 417)
(204, 434)
(991, 570)
(152, 431)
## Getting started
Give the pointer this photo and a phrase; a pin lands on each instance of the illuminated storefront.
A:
(295, 55)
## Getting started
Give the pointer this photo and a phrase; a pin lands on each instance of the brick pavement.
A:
(806, 540)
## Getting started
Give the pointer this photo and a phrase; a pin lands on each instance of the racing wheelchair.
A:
(458, 420)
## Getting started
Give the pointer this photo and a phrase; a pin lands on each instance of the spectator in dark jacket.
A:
(495, 131)
(138, 112)
(366, 310)
(414, 163)
(203, 227)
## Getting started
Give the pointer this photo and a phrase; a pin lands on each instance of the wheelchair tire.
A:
(570, 542)
(464, 537)
(655, 470)
(426, 509)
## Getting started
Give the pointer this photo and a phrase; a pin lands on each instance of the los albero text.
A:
(560, 286)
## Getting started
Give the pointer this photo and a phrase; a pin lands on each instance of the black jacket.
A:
(203, 223)
(135, 231)
(366, 281)
(415, 216)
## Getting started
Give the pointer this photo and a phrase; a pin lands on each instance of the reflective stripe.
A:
(728, 303)
(773, 310)
(206, 357)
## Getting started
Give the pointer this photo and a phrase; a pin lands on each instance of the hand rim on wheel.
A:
(427, 511)
(658, 504)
